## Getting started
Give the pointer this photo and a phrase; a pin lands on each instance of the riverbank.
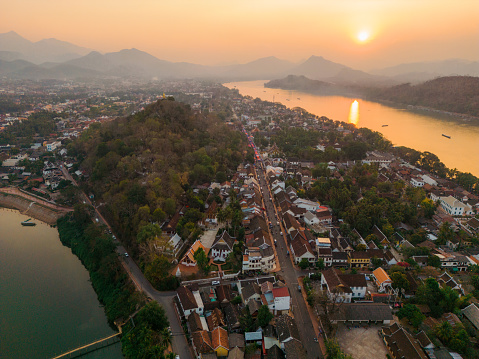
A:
(28, 205)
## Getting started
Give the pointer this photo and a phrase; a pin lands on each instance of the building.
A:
(362, 313)
(454, 207)
(219, 342)
(382, 279)
(222, 246)
(343, 287)
(401, 344)
(189, 301)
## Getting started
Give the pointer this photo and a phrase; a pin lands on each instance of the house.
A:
(281, 300)
(454, 207)
(383, 240)
(232, 315)
(340, 259)
(251, 291)
(294, 349)
(358, 259)
(270, 338)
(189, 258)
(254, 337)
(175, 245)
(343, 287)
(471, 312)
(201, 343)
(224, 293)
(274, 352)
(326, 254)
(401, 344)
(189, 301)
(363, 313)
(236, 340)
(259, 259)
(196, 323)
(215, 319)
(301, 249)
(382, 279)
(306, 204)
(219, 342)
(310, 219)
(222, 246)
(286, 329)
(236, 353)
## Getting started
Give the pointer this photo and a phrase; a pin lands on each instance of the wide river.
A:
(47, 304)
(420, 130)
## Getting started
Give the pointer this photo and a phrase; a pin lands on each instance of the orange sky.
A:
(227, 31)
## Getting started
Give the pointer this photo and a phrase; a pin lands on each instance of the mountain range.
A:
(55, 59)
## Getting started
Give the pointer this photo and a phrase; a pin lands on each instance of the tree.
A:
(428, 207)
(264, 316)
(446, 233)
(333, 350)
(412, 313)
(399, 281)
(303, 264)
(247, 322)
(148, 232)
(434, 261)
(202, 260)
(320, 264)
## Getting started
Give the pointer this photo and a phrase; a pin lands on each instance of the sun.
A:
(363, 36)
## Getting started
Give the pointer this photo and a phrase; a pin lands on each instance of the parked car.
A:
(215, 282)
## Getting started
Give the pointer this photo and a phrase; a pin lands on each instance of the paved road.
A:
(165, 299)
(290, 274)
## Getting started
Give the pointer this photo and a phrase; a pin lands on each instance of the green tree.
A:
(434, 261)
(428, 207)
(399, 281)
(202, 260)
(303, 264)
(412, 313)
(148, 232)
(264, 316)
(333, 350)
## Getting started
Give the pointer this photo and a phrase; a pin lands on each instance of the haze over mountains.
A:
(55, 59)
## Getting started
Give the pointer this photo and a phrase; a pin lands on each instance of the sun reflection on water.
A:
(354, 113)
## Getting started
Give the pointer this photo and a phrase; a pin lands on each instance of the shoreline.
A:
(33, 208)
(461, 117)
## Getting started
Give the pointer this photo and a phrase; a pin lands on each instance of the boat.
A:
(446, 136)
(385, 125)
(28, 223)
(299, 98)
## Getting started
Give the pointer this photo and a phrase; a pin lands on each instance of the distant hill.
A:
(459, 94)
(14, 47)
(302, 83)
(317, 67)
(417, 72)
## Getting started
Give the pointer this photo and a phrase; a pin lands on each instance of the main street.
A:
(289, 273)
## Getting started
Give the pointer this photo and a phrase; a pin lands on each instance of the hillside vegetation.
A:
(141, 169)
(459, 94)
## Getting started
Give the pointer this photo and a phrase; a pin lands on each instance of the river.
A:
(47, 304)
(420, 130)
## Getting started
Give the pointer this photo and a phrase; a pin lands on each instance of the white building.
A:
(306, 204)
(455, 207)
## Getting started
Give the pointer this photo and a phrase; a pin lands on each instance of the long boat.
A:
(446, 136)
(28, 223)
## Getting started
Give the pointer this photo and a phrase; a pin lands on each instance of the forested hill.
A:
(141, 166)
(459, 94)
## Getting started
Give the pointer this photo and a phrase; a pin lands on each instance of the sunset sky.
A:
(231, 31)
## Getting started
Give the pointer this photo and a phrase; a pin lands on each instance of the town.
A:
(327, 240)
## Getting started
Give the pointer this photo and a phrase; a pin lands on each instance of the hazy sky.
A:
(227, 31)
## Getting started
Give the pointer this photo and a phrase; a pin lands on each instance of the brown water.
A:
(419, 130)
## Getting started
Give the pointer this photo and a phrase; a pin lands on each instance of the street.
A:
(289, 273)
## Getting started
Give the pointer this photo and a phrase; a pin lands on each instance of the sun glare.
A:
(363, 36)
